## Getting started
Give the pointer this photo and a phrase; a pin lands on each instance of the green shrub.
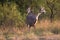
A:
(10, 15)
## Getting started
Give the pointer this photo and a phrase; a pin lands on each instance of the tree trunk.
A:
(52, 16)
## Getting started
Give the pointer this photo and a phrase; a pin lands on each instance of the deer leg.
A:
(34, 27)
(29, 27)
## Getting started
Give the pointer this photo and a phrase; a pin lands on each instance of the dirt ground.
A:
(52, 37)
(17, 37)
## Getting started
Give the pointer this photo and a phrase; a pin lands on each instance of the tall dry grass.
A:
(43, 28)
(49, 27)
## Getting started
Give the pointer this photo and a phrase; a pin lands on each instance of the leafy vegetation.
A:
(13, 12)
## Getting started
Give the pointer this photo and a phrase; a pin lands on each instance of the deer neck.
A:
(38, 16)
